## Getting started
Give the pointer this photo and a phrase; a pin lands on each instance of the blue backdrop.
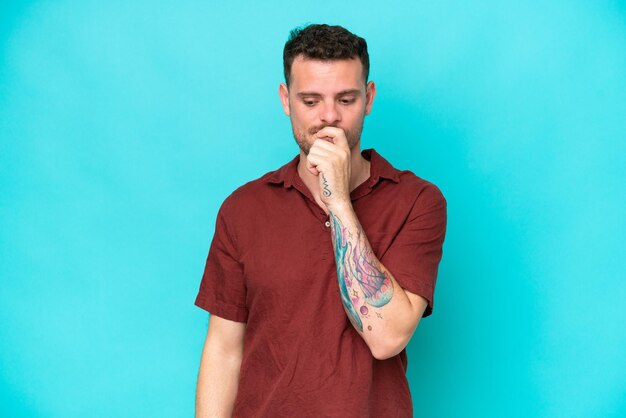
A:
(124, 125)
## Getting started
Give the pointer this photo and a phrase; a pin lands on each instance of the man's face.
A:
(326, 93)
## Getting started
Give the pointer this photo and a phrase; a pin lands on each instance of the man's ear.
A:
(283, 93)
(370, 93)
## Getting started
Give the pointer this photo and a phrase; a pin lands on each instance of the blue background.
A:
(124, 125)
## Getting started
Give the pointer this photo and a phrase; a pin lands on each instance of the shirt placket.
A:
(326, 253)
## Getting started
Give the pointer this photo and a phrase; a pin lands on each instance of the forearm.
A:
(376, 305)
(217, 383)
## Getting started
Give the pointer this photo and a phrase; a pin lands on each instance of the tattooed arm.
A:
(383, 313)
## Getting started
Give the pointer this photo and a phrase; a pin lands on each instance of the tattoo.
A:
(374, 282)
(359, 269)
(326, 191)
(342, 246)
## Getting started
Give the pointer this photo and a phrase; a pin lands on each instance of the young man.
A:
(319, 272)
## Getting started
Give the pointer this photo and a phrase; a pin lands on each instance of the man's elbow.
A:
(394, 344)
(390, 348)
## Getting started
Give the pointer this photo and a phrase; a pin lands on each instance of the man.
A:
(319, 272)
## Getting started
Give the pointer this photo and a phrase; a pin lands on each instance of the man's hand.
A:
(329, 159)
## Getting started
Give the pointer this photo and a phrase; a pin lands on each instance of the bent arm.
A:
(382, 312)
(218, 378)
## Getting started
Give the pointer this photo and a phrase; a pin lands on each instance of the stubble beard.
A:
(305, 139)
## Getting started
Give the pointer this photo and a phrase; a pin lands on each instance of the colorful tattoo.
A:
(357, 264)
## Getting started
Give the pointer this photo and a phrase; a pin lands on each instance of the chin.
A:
(304, 147)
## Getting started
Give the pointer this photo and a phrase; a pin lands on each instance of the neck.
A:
(359, 172)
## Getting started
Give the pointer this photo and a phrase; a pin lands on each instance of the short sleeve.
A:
(414, 254)
(222, 289)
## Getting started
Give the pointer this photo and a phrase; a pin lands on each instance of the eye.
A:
(347, 101)
(309, 102)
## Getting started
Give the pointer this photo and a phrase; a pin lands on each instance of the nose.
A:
(329, 113)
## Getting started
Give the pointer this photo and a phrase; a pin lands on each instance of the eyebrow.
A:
(341, 93)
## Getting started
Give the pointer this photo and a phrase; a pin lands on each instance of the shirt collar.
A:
(379, 168)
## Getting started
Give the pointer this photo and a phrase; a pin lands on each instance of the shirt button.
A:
(327, 223)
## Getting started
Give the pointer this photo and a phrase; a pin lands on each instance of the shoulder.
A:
(245, 199)
(404, 185)
(425, 190)
(422, 192)
(424, 202)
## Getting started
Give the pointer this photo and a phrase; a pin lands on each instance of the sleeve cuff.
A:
(230, 312)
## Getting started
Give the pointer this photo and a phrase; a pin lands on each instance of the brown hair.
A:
(326, 43)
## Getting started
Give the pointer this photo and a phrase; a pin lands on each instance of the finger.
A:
(337, 135)
(323, 149)
(319, 162)
(323, 144)
(311, 167)
(329, 152)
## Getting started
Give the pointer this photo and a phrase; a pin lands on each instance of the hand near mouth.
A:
(329, 159)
